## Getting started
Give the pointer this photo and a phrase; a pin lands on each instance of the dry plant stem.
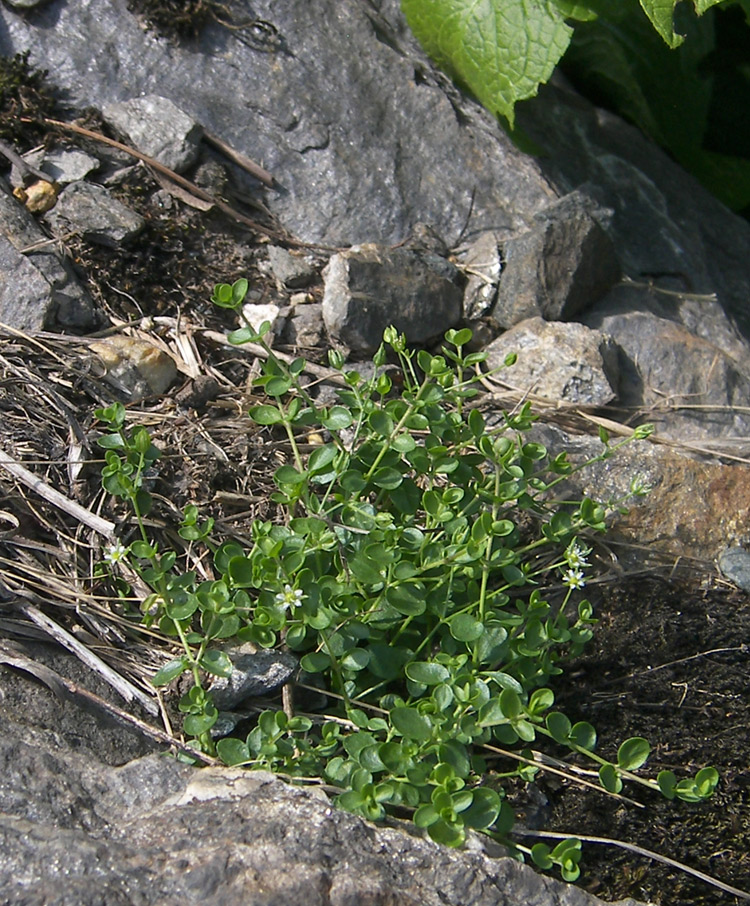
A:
(61, 686)
(26, 169)
(186, 184)
(649, 854)
(119, 683)
(102, 526)
(236, 157)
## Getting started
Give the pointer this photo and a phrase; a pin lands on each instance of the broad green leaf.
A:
(196, 724)
(667, 782)
(216, 662)
(609, 778)
(407, 599)
(465, 628)
(427, 674)
(502, 50)
(661, 13)
(322, 457)
(240, 570)
(338, 418)
(584, 735)
(633, 753)
(411, 724)
(540, 855)
(169, 672)
(484, 809)
(233, 751)
(559, 726)
(315, 662)
(447, 834)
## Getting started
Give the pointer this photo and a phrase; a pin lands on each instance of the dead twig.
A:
(102, 526)
(63, 687)
(127, 690)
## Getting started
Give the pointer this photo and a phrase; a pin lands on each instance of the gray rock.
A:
(688, 386)
(558, 361)
(362, 136)
(305, 327)
(157, 127)
(63, 166)
(664, 221)
(735, 564)
(26, 4)
(292, 271)
(92, 211)
(482, 267)
(370, 287)
(155, 831)
(562, 266)
(38, 288)
(691, 509)
(255, 673)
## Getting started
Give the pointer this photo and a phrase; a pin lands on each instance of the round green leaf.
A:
(315, 662)
(216, 662)
(232, 751)
(609, 778)
(667, 782)
(464, 628)
(240, 571)
(540, 855)
(406, 599)
(321, 457)
(338, 419)
(169, 672)
(584, 735)
(484, 809)
(381, 423)
(387, 478)
(356, 659)
(427, 674)
(559, 726)
(411, 724)
(633, 753)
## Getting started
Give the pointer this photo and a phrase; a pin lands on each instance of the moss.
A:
(179, 19)
(24, 94)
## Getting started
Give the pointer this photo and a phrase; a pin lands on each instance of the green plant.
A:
(407, 577)
(650, 61)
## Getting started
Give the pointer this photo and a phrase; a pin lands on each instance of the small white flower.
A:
(116, 553)
(575, 555)
(573, 578)
(290, 597)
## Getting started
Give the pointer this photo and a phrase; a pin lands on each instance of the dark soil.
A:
(668, 662)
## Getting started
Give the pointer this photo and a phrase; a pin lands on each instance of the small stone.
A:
(369, 287)
(562, 266)
(735, 564)
(257, 314)
(64, 166)
(39, 197)
(558, 361)
(158, 128)
(254, 673)
(135, 366)
(482, 267)
(305, 327)
(91, 210)
(290, 270)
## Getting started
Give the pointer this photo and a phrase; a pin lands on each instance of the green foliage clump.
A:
(407, 576)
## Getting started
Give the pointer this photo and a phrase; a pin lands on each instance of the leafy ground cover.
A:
(693, 712)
